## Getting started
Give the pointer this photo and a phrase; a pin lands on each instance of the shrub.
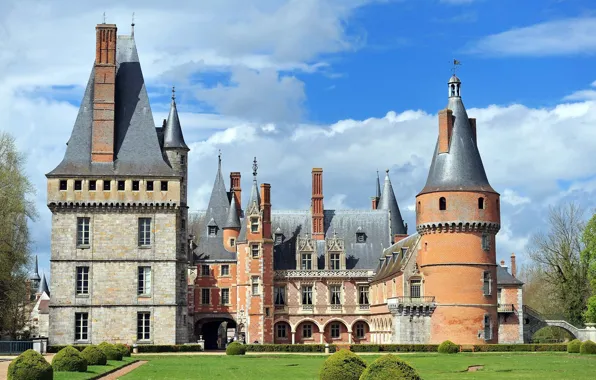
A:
(588, 348)
(573, 346)
(343, 365)
(30, 365)
(57, 348)
(94, 356)
(235, 348)
(448, 347)
(69, 359)
(124, 349)
(389, 367)
(110, 351)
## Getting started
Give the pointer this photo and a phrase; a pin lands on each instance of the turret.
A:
(388, 202)
(231, 228)
(377, 197)
(458, 216)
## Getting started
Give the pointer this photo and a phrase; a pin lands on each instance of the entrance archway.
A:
(216, 332)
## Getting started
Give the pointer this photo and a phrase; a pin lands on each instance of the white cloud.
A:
(551, 38)
(514, 199)
(582, 95)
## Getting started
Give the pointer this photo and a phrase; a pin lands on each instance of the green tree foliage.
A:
(16, 209)
(559, 255)
(30, 365)
(589, 256)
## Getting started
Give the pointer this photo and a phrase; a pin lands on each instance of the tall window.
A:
(205, 270)
(499, 296)
(281, 330)
(144, 231)
(205, 296)
(255, 286)
(486, 242)
(335, 330)
(82, 280)
(81, 326)
(144, 326)
(83, 233)
(307, 295)
(225, 296)
(488, 333)
(225, 270)
(144, 286)
(335, 294)
(360, 330)
(307, 330)
(279, 295)
(415, 288)
(306, 261)
(363, 295)
(481, 203)
(254, 225)
(334, 261)
(487, 284)
(254, 250)
(442, 203)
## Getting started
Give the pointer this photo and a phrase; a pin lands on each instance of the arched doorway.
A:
(216, 332)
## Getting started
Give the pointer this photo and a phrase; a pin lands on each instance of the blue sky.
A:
(348, 85)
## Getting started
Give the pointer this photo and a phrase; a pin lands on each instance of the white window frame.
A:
(208, 292)
(82, 327)
(255, 286)
(335, 294)
(83, 231)
(203, 266)
(144, 281)
(143, 326)
(225, 301)
(281, 331)
(335, 261)
(144, 232)
(335, 327)
(306, 258)
(363, 295)
(415, 283)
(82, 287)
(227, 269)
(306, 294)
(255, 251)
(487, 283)
(279, 294)
(254, 225)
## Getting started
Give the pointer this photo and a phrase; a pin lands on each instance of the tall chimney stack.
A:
(318, 232)
(445, 129)
(513, 268)
(266, 209)
(235, 186)
(104, 93)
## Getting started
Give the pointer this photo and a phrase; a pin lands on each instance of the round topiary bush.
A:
(389, 367)
(110, 351)
(30, 365)
(448, 347)
(235, 348)
(342, 365)
(588, 348)
(573, 346)
(69, 359)
(94, 356)
(124, 349)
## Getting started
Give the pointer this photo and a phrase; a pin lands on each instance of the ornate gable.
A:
(334, 244)
(305, 244)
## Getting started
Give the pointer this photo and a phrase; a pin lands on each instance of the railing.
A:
(15, 347)
(307, 307)
(414, 300)
(506, 308)
(325, 273)
(364, 307)
(335, 307)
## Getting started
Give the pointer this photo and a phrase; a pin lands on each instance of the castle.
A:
(125, 269)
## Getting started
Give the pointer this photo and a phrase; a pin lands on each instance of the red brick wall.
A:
(509, 331)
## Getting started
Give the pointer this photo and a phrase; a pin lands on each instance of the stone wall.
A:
(511, 323)
(411, 329)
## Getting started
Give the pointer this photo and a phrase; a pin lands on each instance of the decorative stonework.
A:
(305, 244)
(335, 244)
(303, 274)
(423, 306)
(110, 206)
(458, 226)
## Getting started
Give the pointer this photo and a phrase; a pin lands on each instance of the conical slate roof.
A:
(173, 137)
(378, 194)
(460, 169)
(43, 285)
(388, 202)
(233, 220)
(35, 275)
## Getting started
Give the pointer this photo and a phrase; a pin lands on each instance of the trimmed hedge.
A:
(111, 352)
(124, 349)
(57, 348)
(30, 365)
(342, 365)
(389, 367)
(69, 359)
(573, 346)
(235, 348)
(448, 347)
(588, 348)
(394, 347)
(94, 356)
(170, 348)
(520, 347)
(288, 348)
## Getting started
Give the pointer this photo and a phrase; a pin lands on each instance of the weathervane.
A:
(219, 156)
(104, 17)
(173, 92)
(132, 25)
(455, 64)
(254, 168)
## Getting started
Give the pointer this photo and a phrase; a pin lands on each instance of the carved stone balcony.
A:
(506, 308)
(414, 306)
(322, 274)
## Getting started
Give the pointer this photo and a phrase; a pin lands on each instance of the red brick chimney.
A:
(513, 268)
(445, 129)
(473, 125)
(375, 202)
(235, 186)
(316, 207)
(266, 209)
(104, 92)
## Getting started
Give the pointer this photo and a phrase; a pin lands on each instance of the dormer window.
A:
(360, 237)
(404, 250)
(254, 225)
(212, 230)
(279, 238)
(334, 261)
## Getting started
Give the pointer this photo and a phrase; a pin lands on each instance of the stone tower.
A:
(458, 216)
(119, 212)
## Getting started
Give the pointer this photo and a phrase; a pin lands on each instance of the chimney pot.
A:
(317, 209)
(445, 129)
(513, 267)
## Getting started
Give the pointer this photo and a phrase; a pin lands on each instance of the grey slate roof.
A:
(173, 137)
(388, 202)
(374, 223)
(233, 220)
(505, 278)
(461, 168)
(392, 266)
(136, 149)
(35, 275)
(43, 285)
(211, 247)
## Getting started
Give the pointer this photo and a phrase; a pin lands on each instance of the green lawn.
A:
(430, 366)
(92, 370)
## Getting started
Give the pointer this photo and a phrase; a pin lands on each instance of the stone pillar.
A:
(293, 337)
(350, 336)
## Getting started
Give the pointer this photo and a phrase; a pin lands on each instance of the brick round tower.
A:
(458, 216)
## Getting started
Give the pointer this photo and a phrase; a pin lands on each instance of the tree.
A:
(16, 209)
(589, 256)
(559, 254)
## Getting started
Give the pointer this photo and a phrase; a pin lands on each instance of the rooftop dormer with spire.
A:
(173, 137)
(389, 202)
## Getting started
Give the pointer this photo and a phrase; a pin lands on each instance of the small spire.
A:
(254, 168)
(104, 17)
(219, 160)
(174, 93)
(132, 25)
(378, 195)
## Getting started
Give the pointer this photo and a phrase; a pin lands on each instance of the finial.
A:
(386, 171)
(104, 17)
(173, 92)
(132, 25)
(254, 168)
(219, 158)
(455, 64)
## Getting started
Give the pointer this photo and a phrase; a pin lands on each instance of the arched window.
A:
(442, 203)
(481, 203)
